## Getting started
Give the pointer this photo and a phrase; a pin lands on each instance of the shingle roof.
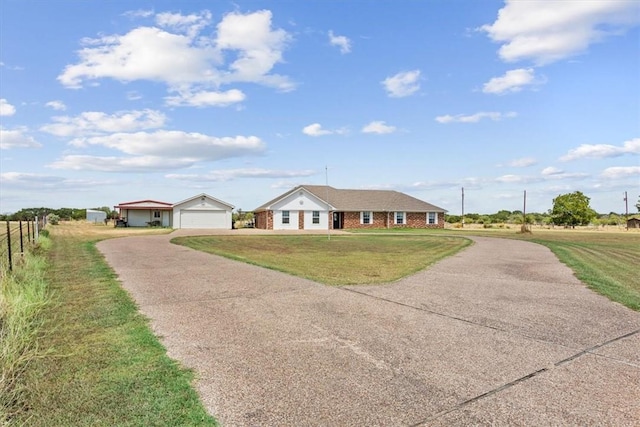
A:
(362, 200)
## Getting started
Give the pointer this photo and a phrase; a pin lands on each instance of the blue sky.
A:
(109, 102)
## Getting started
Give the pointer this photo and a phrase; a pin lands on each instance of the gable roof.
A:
(208, 197)
(361, 200)
(145, 204)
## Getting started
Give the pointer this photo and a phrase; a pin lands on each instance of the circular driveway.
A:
(499, 334)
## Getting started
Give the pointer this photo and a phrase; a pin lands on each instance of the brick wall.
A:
(387, 220)
(264, 220)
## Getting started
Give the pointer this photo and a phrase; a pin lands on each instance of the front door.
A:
(338, 220)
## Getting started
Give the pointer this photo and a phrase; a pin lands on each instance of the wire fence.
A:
(16, 237)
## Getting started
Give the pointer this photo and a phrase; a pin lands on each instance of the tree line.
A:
(568, 210)
(65, 214)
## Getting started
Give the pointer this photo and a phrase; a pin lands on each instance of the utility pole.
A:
(626, 212)
(462, 219)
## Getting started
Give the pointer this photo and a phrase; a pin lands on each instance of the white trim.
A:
(436, 218)
(404, 218)
(370, 217)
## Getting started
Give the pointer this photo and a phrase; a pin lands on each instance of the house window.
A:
(285, 217)
(400, 216)
(432, 218)
(156, 214)
(316, 217)
(366, 217)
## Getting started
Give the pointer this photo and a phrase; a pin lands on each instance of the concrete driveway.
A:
(500, 334)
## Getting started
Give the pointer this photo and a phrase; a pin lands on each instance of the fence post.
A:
(35, 229)
(21, 239)
(29, 231)
(9, 245)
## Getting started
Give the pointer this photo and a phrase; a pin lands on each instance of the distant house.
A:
(96, 216)
(142, 213)
(320, 207)
(201, 211)
(633, 222)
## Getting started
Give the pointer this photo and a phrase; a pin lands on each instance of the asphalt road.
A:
(500, 334)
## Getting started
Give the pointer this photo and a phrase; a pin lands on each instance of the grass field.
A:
(103, 366)
(343, 260)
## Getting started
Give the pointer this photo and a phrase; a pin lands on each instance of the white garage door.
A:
(203, 219)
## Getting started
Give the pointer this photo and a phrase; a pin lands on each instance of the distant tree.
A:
(638, 204)
(53, 219)
(572, 209)
(471, 217)
(501, 216)
(452, 219)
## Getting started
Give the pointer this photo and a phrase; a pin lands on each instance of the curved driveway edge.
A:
(499, 334)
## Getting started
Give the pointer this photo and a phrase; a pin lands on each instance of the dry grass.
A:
(103, 365)
(345, 259)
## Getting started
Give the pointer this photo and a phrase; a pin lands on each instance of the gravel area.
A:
(499, 334)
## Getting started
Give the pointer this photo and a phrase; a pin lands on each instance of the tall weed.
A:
(23, 296)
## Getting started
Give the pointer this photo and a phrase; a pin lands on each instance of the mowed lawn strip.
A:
(103, 365)
(606, 262)
(340, 260)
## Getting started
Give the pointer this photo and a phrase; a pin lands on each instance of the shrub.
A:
(53, 219)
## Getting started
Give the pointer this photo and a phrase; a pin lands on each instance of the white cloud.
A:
(121, 164)
(402, 84)
(341, 41)
(231, 174)
(133, 95)
(512, 179)
(190, 24)
(206, 98)
(96, 122)
(177, 145)
(56, 105)
(315, 129)
(512, 81)
(475, 118)
(522, 162)
(378, 127)
(140, 13)
(25, 180)
(181, 54)
(433, 185)
(599, 151)
(618, 172)
(258, 48)
(17, 138)
(551, 171)
(551, 30)
(6, 109)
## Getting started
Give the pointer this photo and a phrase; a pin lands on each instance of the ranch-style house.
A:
(201, 211)
(321, 207)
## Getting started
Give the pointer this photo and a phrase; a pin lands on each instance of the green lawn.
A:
(606, 262)
(342, 260)
(102, 365)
